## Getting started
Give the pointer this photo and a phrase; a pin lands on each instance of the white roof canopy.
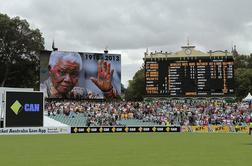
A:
(248, 98)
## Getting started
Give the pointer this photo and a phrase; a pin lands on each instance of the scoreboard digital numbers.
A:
(198, 77)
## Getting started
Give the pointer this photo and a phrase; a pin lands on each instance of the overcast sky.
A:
(129, 27)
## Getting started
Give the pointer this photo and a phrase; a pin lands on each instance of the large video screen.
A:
(201, 77)
(80, 75)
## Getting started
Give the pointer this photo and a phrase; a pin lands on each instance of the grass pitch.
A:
(127, 149)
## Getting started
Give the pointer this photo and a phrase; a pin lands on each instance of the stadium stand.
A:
(49, 122)
(202, 113)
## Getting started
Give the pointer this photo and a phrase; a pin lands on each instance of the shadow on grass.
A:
(248, 144)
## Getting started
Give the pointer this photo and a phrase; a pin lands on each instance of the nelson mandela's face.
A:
(64, 75)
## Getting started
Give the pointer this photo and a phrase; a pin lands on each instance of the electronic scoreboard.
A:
(189, 77)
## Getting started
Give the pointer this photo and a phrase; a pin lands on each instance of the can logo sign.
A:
(24, 109)
(31, 107)
(16, 107)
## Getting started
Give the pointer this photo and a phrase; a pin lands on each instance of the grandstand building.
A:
(187, 52)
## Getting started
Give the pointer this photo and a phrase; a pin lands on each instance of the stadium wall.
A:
(215, 129)
(129, 129)
(142, 129)
(35, 130)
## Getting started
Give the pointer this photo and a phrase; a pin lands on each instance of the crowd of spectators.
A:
(158, 112)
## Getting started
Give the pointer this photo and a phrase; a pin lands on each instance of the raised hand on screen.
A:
(104, 78)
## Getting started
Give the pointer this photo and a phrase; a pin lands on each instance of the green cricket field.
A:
(127, 149)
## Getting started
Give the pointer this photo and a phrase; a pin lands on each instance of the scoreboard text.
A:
(185, 78)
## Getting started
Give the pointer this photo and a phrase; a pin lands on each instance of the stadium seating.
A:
(79, 120)
(135, 122)
(149, 114)
(73, 119)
